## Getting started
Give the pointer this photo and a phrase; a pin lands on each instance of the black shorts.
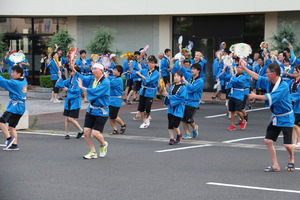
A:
(189, 113)
(173, 121)
(235, 104)
(113, 112)
(223, 90)
(166, 79)
(10, 118)
(55, 89)
(136, 85)
(94, 122)
(227, 92)
(145, 103)
(71, 113)
(273, 133)
(129, 82)
(297, 119)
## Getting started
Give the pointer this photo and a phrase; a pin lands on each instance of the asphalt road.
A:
(141, 165)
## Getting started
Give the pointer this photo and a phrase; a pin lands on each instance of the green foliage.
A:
(3, 47)
(46, 82)
(285, 30)
(62, 39)
(5, 75)
(102, 40)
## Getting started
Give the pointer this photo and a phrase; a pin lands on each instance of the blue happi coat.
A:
(149, 85)
(73, 100)
(164, 66)
(98, 97)
(17, 93)
(116, 90)
(85, 65)
(177, 106)
(239, 86)
(279, 99)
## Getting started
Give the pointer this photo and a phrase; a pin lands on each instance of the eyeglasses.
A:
(269, 72)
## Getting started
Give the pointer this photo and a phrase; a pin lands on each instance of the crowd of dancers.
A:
(180, 80)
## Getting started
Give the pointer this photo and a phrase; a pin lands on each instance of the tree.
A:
(3, 47)
(102, 40)
(286, 30)
(62, 39)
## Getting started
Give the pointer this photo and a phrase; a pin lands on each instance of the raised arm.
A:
(251, 73)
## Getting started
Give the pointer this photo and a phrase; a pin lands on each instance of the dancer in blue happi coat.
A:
(72, 103)
(98, 92)
(17, 88)
(279, 99)
(148, 90)
(115, 100)
(194, 86)
(175, 100)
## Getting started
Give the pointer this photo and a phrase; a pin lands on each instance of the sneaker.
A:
(186, 136)
(56, 101)
(297, 146)
(12, 148)
(178, 138)
(9, 142)
(148, 121)
(195, 132)
(60, 98)
(172, 141)
(128, 102)
(67, 137)
(90, 155)
(143, 125)
(103, 150)
(231, 128)
(79, 135)
(51, 100)
(243, 125)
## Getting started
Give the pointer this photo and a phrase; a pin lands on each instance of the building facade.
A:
(29, 25)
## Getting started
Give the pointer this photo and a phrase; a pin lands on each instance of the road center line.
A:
(254, 188)
(183, 148)
(221, 115)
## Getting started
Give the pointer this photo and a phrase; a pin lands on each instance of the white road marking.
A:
(221, 115)
(254, 188)
(158, 109)
(183, 148)
(248, 138)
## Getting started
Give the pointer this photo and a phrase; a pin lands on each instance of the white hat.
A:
(112, 55)
(98, 65)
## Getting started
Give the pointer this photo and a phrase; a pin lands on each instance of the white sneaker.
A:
(103, 150)
(51, 100)
(143, 125)
(90, 155)
(148, 121)
(297, 146)
(56, 101)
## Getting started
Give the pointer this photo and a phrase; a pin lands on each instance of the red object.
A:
(231, 128)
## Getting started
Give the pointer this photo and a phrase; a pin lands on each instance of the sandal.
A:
(123, 129)
(271, 169)
(115, 132)
(290, 167)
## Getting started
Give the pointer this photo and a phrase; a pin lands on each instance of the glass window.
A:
(15, 25)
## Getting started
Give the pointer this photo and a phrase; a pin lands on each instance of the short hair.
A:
(77, 68)
(260, 57)
(18, 69)
(106, 52)
(152, 58)
(297, 67)
(273, 67)
(179, 73)
(167, 50)
(82, 51)
(287, 50)
(44, 53)
(286, 60)
(197, 66)
(53, 53)
(186, 61)
(136, 53)
(119, 68)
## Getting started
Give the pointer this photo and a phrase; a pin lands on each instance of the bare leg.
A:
(186, 127)
(75, 123)
(4, 129)
(171, 134)
(14, 134)
(67, 125)
(232, 117)
(88, 138)
(143, 115)
(119, 121)
(99, 137)
(272, 152)
(290, 150)
(113, 124)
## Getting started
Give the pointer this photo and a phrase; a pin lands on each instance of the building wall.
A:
(132, 32)
(142, 7)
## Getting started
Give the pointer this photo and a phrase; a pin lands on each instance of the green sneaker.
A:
(187, 136)
(103, 150)
(90, 155)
